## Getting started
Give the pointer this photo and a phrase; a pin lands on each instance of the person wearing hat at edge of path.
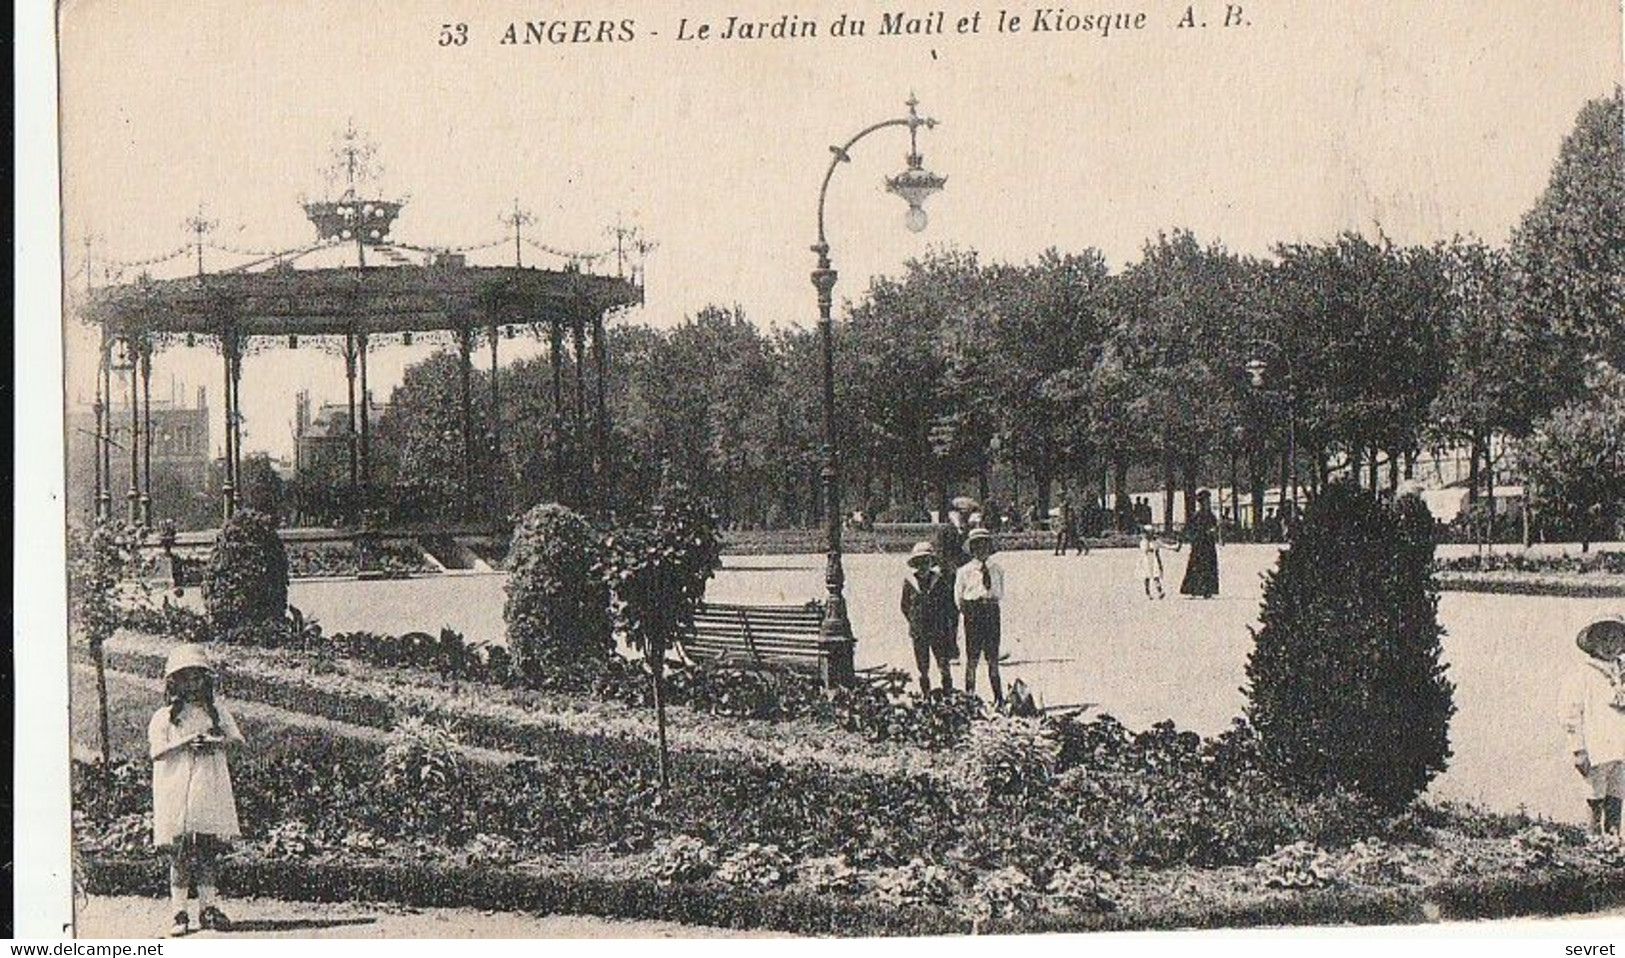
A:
(194, 813)
(933, 619)
(1594, 718)
(978, 590)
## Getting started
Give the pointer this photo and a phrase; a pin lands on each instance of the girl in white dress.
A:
(194, 814)
(1151, 561)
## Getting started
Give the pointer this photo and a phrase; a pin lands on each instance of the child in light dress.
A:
(1594, 718)
(194, 813)
(1151, 546)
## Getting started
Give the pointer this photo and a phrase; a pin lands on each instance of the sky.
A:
(1419, 118)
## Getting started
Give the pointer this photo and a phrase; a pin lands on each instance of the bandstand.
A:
(350, 291)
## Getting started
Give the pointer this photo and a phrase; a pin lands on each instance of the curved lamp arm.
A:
(843, 155)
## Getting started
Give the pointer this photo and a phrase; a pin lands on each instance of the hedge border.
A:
(800, 912)
(1492, 584)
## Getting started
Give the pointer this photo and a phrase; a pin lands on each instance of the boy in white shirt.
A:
(978, 590)
(1594, 717)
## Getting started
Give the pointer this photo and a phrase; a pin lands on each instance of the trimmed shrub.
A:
(558, 609)
(1345, 685)
(246, 580)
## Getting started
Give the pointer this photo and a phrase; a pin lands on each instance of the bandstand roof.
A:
(392, 293)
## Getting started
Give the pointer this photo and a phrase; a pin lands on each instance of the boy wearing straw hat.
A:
(978, 590)
(933, 620)
(1594, 717)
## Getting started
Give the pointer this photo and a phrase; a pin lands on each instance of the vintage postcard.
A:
(819, 468)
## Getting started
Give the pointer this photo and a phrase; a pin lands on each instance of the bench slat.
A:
(759, 619)
(724, 628)
(717, 642)
(710, 642)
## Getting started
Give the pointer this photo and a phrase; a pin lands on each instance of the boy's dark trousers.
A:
(982, 639)
(1605, 815)
(924, 648)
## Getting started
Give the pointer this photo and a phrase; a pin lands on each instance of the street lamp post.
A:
(914, 185)
(1256, 369)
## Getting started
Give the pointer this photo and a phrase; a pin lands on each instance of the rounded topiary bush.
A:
(558, 607)
(246, 580)
(1345, 687)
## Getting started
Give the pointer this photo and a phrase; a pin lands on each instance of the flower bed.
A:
(398, 560)
(322, 559)
(1034, 825)
(427, 884)
(1507, 582)
(1588, 575)
(1109, 796)
(1590, 563)
(754, 886)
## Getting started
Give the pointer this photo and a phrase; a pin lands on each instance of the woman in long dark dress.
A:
(1202, 571)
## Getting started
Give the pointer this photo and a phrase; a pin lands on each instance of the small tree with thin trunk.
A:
(103, 588)
(657, 572)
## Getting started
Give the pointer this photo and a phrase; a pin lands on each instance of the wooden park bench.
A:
(762, 635)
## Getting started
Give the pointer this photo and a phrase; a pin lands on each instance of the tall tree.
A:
(1181, 313)
(1569, 250)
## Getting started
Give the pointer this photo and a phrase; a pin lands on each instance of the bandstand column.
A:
(98, 506)
(600, 353)
(579, 431)
(555, 355)
(228, 489)
(107, 436)
(350, 432)
(237, 412)
(498, 473)
(133, 497)
(366, 416)
(146, 433)
(465, 395)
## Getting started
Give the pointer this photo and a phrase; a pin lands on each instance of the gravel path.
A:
(130, 917)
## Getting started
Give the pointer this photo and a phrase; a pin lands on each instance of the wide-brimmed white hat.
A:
(1603, 640)
(186, 657)
(922, 550)
(978, 534)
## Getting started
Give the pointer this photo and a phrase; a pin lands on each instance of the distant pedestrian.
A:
(1064, 528)
(1269, 530)
(1202, 571)
(1594, 718)
(951, 535)
(194, 813)
(933, 618)
(1151, 546)
(978, 592)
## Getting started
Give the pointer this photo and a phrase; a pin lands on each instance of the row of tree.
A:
(1192, 366)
